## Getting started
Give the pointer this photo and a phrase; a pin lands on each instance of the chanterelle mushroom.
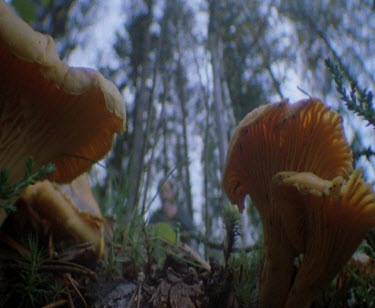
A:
(53, 113)
(337, 216)
(302, 137)
(69, 212)
(50, 111)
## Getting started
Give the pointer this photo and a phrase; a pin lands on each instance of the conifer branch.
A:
(232, 222)
(9, 191)
(358, 100)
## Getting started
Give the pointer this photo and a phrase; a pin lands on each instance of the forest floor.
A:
(148, 273)
(35, 277)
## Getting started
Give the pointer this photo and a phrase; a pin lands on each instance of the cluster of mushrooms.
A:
(54, 113)
(295, 164)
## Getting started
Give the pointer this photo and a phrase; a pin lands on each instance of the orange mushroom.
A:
(50, 111)
(302, 137)
(53, 113)
(337, 216)
(68, 212)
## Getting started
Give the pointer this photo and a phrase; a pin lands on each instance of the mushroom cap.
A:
(337, 217)
(80, 194)
(291, 206)
(69, 212)
(303, 137)
(50, 111)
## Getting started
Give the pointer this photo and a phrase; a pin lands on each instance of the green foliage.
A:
(9, 191)
(369, 245)
(165, 232)
(46, 2)
(232, 225)
(26, 10)
(112, 263)
(358, 100)
(144, 248)
(362, 288)
(235, 285)
(29, 285)
(250, 266)
(130, 235)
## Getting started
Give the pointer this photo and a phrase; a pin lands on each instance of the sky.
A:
(100, 36)
(110, 19)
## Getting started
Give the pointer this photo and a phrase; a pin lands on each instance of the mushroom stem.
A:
(300, 297)
(278, 269)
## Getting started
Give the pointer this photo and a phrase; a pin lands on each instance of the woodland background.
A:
(189, 71)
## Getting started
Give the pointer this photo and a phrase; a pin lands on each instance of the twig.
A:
(304, 92)
(79, 294)
(192, 254)
(13, 244)
(70, 299)
(61, 302)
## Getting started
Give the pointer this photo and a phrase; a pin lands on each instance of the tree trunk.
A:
(142, 102)
(186, 163)
(215, 46)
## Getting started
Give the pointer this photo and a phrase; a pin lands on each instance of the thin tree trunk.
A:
(142, 101)
(185, 143)
(205, 212)
(215, 46)
(149, 141)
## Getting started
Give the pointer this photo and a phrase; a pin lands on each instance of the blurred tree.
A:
(135, 46)
(220, 89)
(142, 69)
(157, 142)
(332, 29)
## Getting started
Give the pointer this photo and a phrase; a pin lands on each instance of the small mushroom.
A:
(302, 137)
(337, 216)
(48, 110)
(68, 212)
